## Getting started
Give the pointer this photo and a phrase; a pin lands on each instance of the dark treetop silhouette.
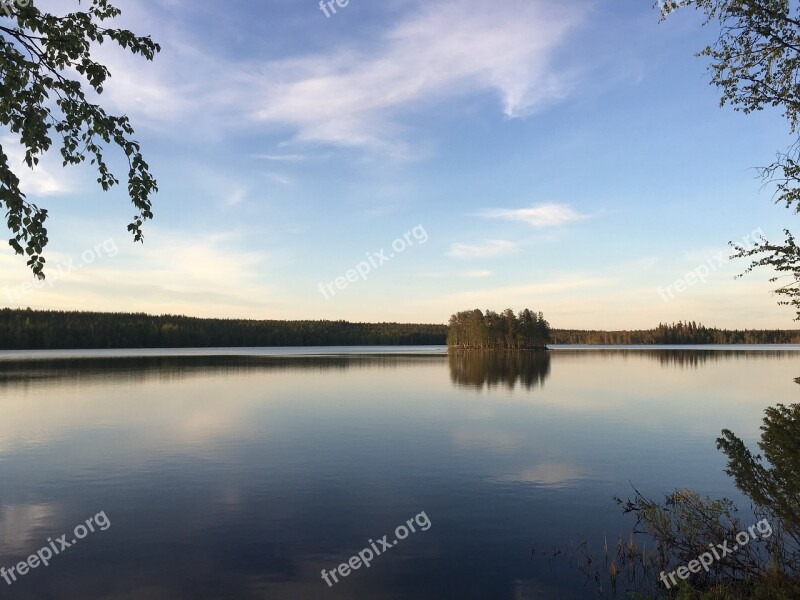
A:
(473, 329)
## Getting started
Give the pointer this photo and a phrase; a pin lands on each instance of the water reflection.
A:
(685, 358)
(243, 476)
(771, 479)
(476, 369)
(698, 358)
(140, 369)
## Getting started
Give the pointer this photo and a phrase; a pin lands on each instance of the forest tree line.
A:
(498, 331)
(44, 330)
(682, 332)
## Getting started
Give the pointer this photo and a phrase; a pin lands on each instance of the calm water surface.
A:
(245, 473)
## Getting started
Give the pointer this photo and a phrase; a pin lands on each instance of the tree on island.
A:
(472, 329)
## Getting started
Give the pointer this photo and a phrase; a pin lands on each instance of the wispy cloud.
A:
(207, 275)
(488, 249)
(476, 274)
(236, 197)
(511, 294)
(542, 215)
(444, 51)
(279, 178)
(281, 157)
(45, 179)
(357, 94)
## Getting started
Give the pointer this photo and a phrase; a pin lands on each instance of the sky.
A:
(401, 161)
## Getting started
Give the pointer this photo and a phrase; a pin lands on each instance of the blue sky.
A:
(567, 157)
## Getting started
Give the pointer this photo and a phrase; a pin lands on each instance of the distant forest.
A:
(681, 332)
(46, 330)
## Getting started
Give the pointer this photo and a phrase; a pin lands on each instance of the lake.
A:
(246, 473)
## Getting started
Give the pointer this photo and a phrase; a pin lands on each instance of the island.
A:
(476, 330)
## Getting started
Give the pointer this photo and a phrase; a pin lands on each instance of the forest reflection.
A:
(697, 358)
(492, 368)
(23, 373)
(470, 368)
(686, 358)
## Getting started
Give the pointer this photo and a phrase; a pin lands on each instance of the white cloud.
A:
(467, 274)
(281, 157)
(42, 179)
(208, 275)
(510, 295)
(542, 215)
(444, 51)
(279, 178)
(476, 274)
(236, 197)
(432, 274)
(357, 93)
(489, 249)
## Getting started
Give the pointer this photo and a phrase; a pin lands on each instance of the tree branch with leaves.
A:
(755, 62)
(42, 99)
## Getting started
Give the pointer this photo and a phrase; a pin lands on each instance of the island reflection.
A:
(492, 368)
